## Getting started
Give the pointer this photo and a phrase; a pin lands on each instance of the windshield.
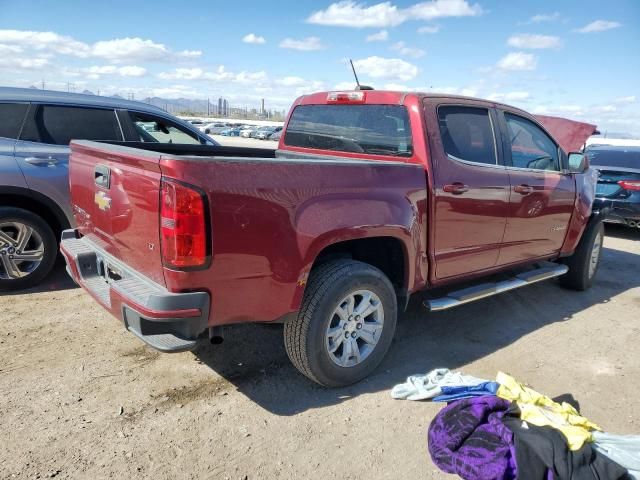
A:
(373, 129)
(619, 157)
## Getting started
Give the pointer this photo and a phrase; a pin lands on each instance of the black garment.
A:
(544, 450)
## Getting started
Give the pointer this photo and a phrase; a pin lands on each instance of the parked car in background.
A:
(618, 181)
(215, 128)
(231, 132)
(265, 132)
(371, 197)
(36, 127)
(275, 136)
(248, 131)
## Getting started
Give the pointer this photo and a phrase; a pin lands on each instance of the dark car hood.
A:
(571, 135)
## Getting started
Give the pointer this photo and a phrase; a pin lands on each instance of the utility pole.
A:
(43, 83)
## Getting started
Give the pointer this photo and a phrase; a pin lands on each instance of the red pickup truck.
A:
(370, 197)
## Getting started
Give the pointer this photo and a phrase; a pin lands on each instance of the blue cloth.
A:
(450, 394)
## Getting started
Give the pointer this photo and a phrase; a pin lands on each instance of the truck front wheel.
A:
(584, 262)
(345, 325)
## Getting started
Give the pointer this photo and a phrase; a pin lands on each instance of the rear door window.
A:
(11, 118)
(467, 134)
(371, 129)
(58, 125)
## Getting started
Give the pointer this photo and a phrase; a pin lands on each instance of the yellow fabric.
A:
(540, 410)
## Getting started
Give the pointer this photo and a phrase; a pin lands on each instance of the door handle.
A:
(456, 188)
(42, 161)
(523, 189)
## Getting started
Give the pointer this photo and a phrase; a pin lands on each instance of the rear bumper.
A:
(620, 211)
(169, 322)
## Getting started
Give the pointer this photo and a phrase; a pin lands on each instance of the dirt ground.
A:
(82, 398)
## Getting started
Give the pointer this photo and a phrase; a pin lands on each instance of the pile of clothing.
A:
(505, 430)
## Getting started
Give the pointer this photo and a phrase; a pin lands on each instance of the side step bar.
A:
(478, 292)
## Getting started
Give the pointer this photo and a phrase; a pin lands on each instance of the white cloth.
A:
(622, 449)
(423, 387)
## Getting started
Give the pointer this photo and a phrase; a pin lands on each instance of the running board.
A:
(471, 294)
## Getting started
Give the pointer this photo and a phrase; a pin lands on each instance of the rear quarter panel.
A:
(272, 217)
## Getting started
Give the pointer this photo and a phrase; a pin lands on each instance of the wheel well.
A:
(37, 207)
(385, 253)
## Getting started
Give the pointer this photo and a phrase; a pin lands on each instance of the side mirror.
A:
(578, 162)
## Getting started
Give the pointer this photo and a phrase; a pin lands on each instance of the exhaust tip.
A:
(216, 336)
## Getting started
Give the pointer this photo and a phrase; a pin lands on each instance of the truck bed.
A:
(268, 220)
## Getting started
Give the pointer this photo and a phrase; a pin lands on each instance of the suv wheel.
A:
(584, 262)
(345, 325)
(28, 249)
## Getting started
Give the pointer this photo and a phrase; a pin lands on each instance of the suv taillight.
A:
(629, 184)
(183, 226)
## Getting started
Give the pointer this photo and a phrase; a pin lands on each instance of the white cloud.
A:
(380, 36)
(118, 50)
(598, 26)
(444, 8)
(305, 44)
(132, 71)
(182, 74)
(22, 63)
(429, 29)
(518, 61)
(406, 51)
(388, 68)
(354, 14)
(532, 41)
(629, 99)
(44, 41)
(545, 17)
(291, 81)
(253, 38)
(94, 72)
(137, 49)
(221, 74)
(510, 96)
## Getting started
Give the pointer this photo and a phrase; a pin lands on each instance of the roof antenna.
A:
(358, 86)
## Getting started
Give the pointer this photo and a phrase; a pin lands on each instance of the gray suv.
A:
(36, 127)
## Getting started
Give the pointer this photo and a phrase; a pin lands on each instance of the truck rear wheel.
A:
(28, 249)
(345, 325)
(584, 262)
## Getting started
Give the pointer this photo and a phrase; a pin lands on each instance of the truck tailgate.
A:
(115, 195)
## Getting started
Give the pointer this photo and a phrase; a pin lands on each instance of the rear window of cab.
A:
(368, 129)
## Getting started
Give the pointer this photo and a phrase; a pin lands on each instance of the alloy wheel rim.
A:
(595, 255)
(21, 250)
(354, 329)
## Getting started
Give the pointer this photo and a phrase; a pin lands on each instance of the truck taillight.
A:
(345, 97)
(183, 226)
(630, 184)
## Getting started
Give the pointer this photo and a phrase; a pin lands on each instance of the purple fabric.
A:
(468, 438)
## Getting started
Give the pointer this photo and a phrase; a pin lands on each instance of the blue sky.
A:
(572, 58)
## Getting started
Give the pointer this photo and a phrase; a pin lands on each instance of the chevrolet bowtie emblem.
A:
(103, 202)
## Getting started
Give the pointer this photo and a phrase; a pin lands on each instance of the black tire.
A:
(305, 336)
(12, 214)
(578, 277)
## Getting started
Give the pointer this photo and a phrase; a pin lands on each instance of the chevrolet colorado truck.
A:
(371, 197)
